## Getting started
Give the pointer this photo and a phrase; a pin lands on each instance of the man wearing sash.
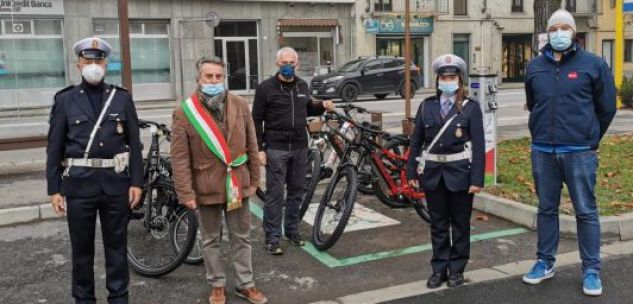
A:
(94, 164)
(216, 168)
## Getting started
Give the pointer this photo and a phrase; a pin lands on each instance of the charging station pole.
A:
(483, 86)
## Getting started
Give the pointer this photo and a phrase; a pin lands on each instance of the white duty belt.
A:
(447, 158)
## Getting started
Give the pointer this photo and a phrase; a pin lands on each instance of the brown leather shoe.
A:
(252, 295)
(217, 296)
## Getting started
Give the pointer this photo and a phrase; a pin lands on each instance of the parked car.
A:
(379, 76)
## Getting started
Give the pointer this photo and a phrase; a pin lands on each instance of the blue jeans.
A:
(578, 171)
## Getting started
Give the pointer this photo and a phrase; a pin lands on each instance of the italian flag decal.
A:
(212, 136)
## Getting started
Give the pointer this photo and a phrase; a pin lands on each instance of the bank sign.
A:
(395, 25)
(31, 7)
(628, 6)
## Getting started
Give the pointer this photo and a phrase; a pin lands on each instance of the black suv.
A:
(379, 76)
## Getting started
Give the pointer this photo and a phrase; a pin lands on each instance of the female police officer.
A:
(451, 167)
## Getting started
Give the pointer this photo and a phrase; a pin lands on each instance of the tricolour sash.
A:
(212, 136)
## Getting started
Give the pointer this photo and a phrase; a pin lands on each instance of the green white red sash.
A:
(205, 125)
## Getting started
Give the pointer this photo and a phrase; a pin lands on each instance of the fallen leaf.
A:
(483, 218)
(610, 174)
(521, 179)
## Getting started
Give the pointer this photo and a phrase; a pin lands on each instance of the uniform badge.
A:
(119, 127)
(459, 133)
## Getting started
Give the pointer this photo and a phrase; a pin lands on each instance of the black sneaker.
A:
(295, 240)
(274, 249)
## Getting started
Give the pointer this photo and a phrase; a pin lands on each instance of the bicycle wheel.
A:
(313, 175)
(180, 231)
(335, 208)
(150, 245)
(422, 210)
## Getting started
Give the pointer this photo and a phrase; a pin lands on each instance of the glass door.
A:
(236, 53)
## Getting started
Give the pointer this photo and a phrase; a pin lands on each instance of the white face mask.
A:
(93, 73)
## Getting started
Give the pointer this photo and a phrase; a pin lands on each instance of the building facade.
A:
(493, 36)
(167, 37)
(605, 37)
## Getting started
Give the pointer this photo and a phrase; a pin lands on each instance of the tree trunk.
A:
(543, 9)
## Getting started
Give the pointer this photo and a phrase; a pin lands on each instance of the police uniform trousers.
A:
(450, 213)
(113, 214)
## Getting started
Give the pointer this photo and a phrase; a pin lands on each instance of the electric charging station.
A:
(483, 87)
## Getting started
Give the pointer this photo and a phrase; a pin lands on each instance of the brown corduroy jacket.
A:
(198, 173)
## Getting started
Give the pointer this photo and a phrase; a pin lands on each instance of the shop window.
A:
(236, 29)
(517, 6)
(31, 54)
(460, 7)
(149, 48)
(382, 5)
(315, 53)
(570, 5)
(461, 47)
(628, 50)
(607, 51)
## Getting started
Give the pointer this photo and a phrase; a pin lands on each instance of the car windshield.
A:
(350, 66)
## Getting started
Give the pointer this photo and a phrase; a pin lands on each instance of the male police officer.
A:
(94, 161)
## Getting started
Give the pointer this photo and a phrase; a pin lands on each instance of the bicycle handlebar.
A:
(144, 124)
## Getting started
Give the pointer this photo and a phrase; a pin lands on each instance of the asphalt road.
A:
(564, 288)
(36, 266)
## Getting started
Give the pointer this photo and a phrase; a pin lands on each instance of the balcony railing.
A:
(416, 6)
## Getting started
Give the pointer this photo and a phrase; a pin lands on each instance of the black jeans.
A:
(448, 209)
(114, 217)
(284, 168)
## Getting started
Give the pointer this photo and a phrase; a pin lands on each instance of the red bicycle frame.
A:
(404, 188)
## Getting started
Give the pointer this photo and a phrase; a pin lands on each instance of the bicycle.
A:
(156, 244)
(388, 167)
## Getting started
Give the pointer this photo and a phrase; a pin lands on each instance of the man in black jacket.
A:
(281, 106)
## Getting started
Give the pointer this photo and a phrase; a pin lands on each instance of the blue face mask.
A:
(560, 40)
(287, 70)
(448, 87)
(212, 90)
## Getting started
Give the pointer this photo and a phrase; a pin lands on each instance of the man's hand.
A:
(57, 200)
(262, 157)
(328, 105)
(191, 204)
(474, 189)
(135, 196)
(414, 183)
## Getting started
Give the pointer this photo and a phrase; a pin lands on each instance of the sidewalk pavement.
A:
(502, 284)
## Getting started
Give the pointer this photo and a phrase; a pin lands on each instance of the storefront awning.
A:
(309, 22)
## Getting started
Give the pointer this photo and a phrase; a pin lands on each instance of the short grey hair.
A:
(211, 60)
(285, 50)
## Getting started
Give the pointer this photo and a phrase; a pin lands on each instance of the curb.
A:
(620, 226)
(19, 215)
(13, 168)
(473, 277)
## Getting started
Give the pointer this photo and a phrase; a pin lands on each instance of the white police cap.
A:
(449, 64)
(92, 48)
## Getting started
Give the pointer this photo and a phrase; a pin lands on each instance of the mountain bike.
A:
(153, 230)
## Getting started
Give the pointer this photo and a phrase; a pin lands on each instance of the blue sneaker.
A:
(540, 271)
(591, 284)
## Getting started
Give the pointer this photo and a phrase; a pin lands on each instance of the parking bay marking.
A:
(332, 262)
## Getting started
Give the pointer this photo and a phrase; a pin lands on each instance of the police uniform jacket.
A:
(458, 175)
(71, 123)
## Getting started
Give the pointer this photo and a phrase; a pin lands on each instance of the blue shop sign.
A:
(395, 25)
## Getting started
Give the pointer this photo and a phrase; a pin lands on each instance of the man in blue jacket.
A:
(571, 98)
